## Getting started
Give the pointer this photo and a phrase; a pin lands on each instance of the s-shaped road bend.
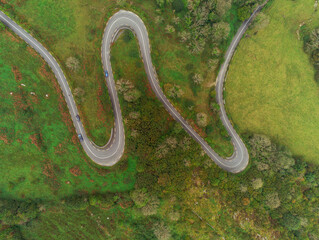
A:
(111, 153)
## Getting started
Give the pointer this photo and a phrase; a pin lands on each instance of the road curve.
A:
(111, 153)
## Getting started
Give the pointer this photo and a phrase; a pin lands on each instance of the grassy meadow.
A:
(40, 153)
(270, 86)
(77, 32)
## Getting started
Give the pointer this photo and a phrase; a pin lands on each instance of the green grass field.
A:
(41, 156)
(270, 85)
(74, 29)
(81, 38)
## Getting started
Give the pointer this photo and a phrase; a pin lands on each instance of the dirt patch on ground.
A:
(36, 139)
(126, 204)
(32, 51)
(196, 128)
(17, 73)
(51, 180)
(35, 99)
(59, 149)
(20, 102)
(4, 138)
(74, 140)
(76, 171)
(149, 91)
(12, 37)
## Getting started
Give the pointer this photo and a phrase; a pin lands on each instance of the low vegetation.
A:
(165, 187)
(41, 156)
(180, 51)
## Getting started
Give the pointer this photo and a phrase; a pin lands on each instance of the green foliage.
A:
(10, 233)
(311, 46)
(106, 200)
(291, 222)
(140, 197)
(161, 3)
(178, 5)
(151, 206)
(13, 212)
(128, 36)
(77, 202)
(2, 26)
(244, 13)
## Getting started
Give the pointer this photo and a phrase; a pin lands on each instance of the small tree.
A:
(151, 207)
(257, 183)
(175, 92)
(77, 202)
(222, 6)
(291, 222)
(178, 5)
(184, 36)
(132, 95)
(313, 42)
(202, 119)
(73, 63)
(272, 200)
(220, 31)
(171, 142)
(244, 13)
(169, 28)
(161, 231)
(174, 215)
(160, 3)
(139, 197)
(176, 20)
(197, 79)
(284, 162)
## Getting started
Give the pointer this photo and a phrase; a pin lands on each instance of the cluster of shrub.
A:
(311, 47)
(280, 187)
(205, 21)
(14, 213)
(276, 185)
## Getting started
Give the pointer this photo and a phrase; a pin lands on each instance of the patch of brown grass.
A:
(12, 37)
(4, 138)
(52, 180)
(76, 171)
(59, 149)
(32, 51)
(199, 130)
(36, 139)
(17, 73)
(19, 102)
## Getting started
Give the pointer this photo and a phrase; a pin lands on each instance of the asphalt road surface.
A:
(112, 152)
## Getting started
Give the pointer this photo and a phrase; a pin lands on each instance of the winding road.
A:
(112, 152)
